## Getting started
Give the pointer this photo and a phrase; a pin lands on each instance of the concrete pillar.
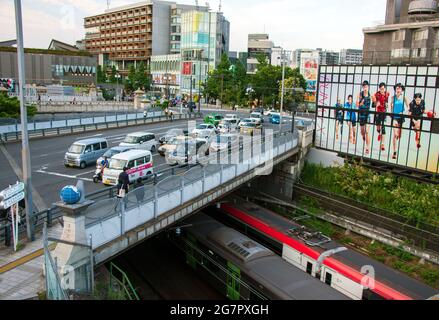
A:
(138, 98)
(72, 255)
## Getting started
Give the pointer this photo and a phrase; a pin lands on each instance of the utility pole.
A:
(25, 156)
(283, 89)
(199, 82)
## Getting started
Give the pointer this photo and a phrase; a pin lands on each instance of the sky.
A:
(292, 24)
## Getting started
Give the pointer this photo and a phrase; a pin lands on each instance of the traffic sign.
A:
(11, 191)
(6, 204)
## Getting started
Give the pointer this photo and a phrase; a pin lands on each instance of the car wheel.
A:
(83, 165)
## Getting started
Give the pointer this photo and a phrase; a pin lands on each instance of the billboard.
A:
(309, 70)
(396, 124)
(187, 68)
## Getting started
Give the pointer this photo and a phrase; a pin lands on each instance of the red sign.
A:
(187, 68)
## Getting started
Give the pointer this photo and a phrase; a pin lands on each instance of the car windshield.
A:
(116, 164)
(111, 153)
(77, 149)
(131, 139)
(255, 116)
(202, 126)
(246, 120)
(250, 125)
(218, 117)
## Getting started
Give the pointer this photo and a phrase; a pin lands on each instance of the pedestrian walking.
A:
(123, 183)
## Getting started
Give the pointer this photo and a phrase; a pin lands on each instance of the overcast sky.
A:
(328, 24)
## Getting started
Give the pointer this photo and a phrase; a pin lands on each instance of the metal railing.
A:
(124, 283)
(70, 126)
(109, 219)
(52, 214)
(409, 56)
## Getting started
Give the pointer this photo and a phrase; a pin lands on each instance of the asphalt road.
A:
(49, 175)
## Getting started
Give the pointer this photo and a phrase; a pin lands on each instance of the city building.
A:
(328, 57)
(204, 39)
(258, 44)
(297, 56)
(58, 45)
(351, 56)
(47, 67)
(131, 34)
(165, 73)
(410, 34)
(176, 11)
(276, 57)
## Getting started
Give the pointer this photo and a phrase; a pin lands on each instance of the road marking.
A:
(37, 199)
(83, 174)
(63, 175)
(23, 260)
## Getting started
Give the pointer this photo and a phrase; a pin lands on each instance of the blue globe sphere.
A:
(70, 195)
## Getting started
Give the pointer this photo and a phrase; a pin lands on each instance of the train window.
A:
(309, 267)
(328, 278)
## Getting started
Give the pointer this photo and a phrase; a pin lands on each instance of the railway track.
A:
(421, 235)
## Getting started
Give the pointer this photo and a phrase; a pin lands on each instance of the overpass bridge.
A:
(108, 227)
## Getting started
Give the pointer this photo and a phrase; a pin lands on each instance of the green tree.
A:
(293, 96)
(138, 78)
(113, 75)
(267, 79)
(101, 74)
(227, 82)
(10, 108)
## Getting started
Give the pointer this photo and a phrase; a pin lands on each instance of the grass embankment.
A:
(418, 202)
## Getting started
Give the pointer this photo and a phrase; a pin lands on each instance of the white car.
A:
(141, 140)
(225, 142)
(204, 130)
(231, 118)
(258, 117)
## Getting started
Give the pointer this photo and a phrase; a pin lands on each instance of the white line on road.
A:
(63, 175)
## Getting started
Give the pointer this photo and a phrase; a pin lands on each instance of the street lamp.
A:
(117, 76)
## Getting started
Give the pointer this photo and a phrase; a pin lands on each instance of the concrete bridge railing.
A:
(110, 222)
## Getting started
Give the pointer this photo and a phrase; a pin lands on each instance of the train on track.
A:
(349, 272)
(242, 268)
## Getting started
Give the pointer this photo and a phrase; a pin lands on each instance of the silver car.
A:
(85, 152)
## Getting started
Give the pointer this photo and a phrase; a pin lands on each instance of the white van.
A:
(141, 140)
(138, 162)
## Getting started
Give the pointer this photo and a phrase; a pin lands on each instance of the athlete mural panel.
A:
(386, 113)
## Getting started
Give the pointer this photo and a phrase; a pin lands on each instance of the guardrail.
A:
(90, 124)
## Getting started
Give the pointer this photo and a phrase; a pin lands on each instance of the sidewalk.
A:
(21, 273)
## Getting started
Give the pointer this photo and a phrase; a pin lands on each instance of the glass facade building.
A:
(204, 38)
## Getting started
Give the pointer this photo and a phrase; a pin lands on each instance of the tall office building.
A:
(205, 38)
(258, 44)
(131, 34)
(328, 57)
(410, 34)
(351, 56)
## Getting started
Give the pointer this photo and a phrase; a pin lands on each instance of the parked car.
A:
(251, 128)
(204, 130)
(138, 162)
(244, 121)
(85, 152)
(194, 151)
(171, 134)
(275, 118)
(171, 145)
(140, 140)
(224, 142)
(214, 119)
(257, 116)
(112, 152)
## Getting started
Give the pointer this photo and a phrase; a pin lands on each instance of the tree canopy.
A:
(138, 78)
(10, 107)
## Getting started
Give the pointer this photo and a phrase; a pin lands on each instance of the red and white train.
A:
(351, 273)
